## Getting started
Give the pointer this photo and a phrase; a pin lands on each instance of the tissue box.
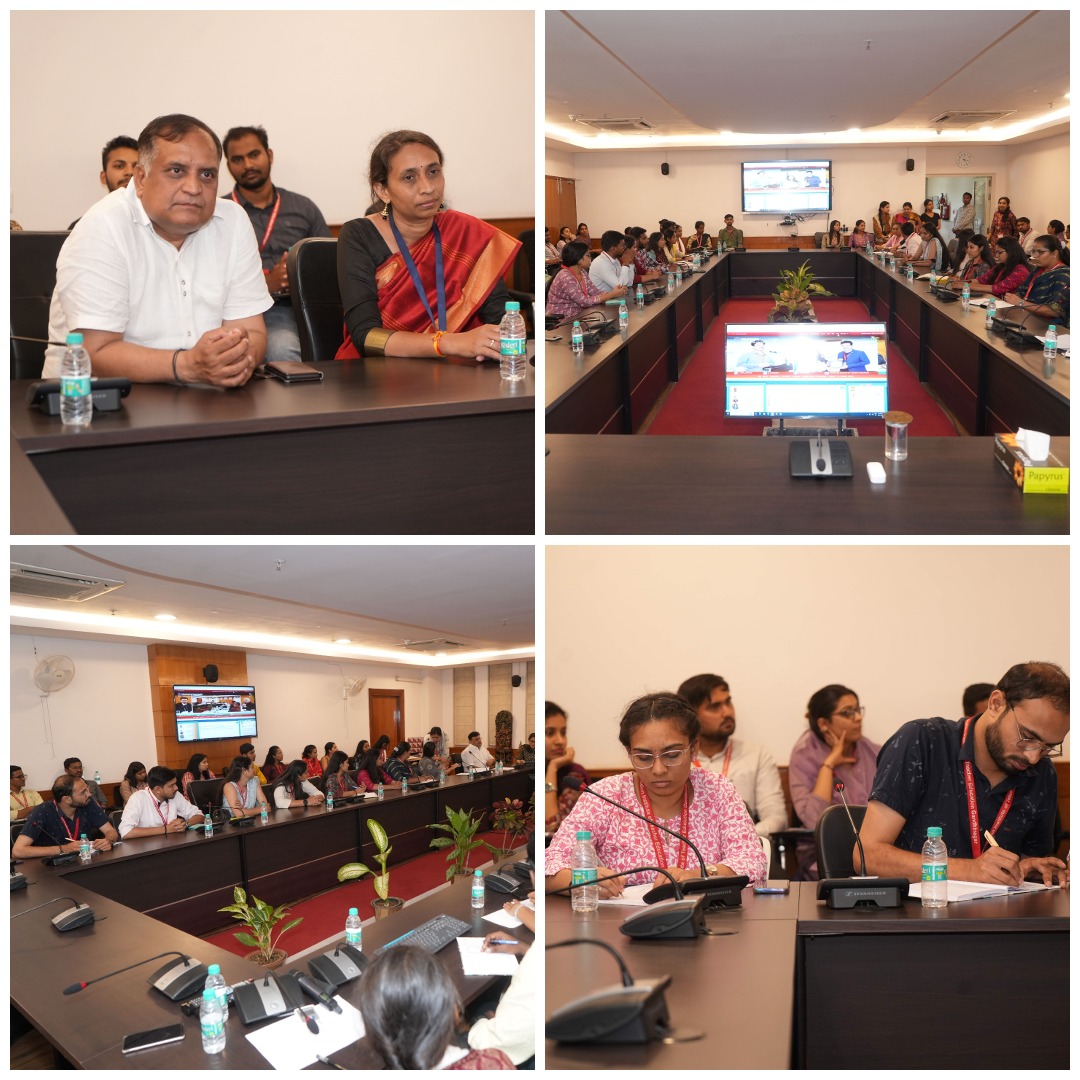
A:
(1048, 477)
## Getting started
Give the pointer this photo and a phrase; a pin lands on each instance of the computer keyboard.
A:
(433, 935)
(809, 432)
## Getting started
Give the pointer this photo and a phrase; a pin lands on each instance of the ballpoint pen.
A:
(302, 1015)
(332, 1064)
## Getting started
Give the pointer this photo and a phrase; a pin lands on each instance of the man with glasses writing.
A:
(983, 776)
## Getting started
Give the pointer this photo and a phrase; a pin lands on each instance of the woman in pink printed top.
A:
(659, 732)
(572, 290)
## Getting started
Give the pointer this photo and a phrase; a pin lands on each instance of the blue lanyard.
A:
(440, 281)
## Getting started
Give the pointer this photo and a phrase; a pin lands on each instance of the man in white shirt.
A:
(162, 278)
(912, 243)
(607, 270)
(158, 809)
(1025, 234)
(749, 767)
(963, 228)
(474, 754)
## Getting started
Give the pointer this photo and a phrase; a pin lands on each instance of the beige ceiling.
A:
(704, 72)
(377, 596)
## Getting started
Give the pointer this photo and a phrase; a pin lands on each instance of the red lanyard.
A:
(1031, 281)
(727, 760)
(241, 795)
(64, 821)
(22, 798)
(272, 223)
(654, 832)
(973, 809)
(584, 287)
(157, 807)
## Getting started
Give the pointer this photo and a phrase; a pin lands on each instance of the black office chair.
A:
(33, 277)
(319, 782)
(834, 841)
(316, 298)
(15, 830)
(524, 279)
(206, 794)
(114, 818)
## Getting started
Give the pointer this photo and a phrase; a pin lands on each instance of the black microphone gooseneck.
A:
(621, 873)
(627, 978)
(77, 903)
(839, 786)
(74, 988)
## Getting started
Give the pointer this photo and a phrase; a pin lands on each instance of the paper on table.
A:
(1062, 341)
(502, 918)
(475, 961)
(979, 890)
(632, 896)
(288, 1044)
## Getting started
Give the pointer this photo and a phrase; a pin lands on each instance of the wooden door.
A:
(560, 203)
(386, 715)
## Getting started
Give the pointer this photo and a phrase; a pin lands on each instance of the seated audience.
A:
(1025, 234)
(1003, 223)
(551, 252)
(894, 240)
(242, 795)
(912, 243)
(660, 730)
(582, 235)
(338, 782)
(74, 768)
(328, 752)
(1059, 230)
(729, 237)
(361, 750)
(883, 223)
(677, 246)
(607, 270)
(442, 745)
(158, 808)
(371, 773)
(929, 215)
(978, 260)
(198, 768)
(1010, 270)
(23, 799)
(572, 290)
(134, 780)
(566, 234)
(701, 239)
(119, 157)
(985, 775)
(474, 755)
(272, 766)
(294, 788)
(908, 215)
(654, 257)
(410, 1009)
(429, 764)
(311, 756)
(54, 827)
(833, 749)
(248, 749)
(559, 796)
(860, 238)
(116, 280)
(834, 238)
(397, 763)
(1045, 292)
(931, 247)
(527, 750)
(976, 698)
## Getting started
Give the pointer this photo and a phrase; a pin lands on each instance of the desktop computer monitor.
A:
(806, 370)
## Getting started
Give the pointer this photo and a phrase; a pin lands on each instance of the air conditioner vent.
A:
(960, 118)
(57, 585)
(434, 645)
(614, 124)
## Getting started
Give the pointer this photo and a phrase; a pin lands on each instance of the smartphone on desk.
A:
(162, 1036)
(773, 889)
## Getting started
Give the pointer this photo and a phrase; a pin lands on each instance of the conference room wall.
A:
(325, 84)
(1038, 180)
(906, 627)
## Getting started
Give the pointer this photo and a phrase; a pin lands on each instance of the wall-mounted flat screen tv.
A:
(786, 187)
(215, 713)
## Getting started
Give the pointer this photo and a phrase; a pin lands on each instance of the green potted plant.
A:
(383, 902)
(460, 828)
(261, 920)
(511, 816)
(792, 297)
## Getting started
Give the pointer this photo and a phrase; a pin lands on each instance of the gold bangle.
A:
(375, 342)
(435, 341)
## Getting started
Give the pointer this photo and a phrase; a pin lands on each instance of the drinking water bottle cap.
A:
(513, 305)
(933, 831)
(74, 339)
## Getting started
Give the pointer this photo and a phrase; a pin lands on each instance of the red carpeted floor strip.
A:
(695, 404)
(324, 915)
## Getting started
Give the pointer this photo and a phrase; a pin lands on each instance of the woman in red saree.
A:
(415, 279)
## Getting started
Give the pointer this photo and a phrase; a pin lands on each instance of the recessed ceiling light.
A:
(165, 618)
(342, 641)
(440, 654)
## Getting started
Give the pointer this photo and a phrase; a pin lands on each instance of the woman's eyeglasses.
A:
(851, 714)
(642, 759)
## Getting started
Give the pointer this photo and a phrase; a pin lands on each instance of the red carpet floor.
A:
(695, 405)
(324, 915)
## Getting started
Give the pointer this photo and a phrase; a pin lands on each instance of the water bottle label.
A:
(213, 1028)
(511, 346)
(74, 387)
(583, 876)
(352, 937)
(934, 872)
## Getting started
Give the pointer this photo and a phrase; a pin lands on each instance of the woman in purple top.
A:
(572, 290)
(833, 749)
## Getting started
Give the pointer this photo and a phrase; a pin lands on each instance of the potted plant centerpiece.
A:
(512, 817)
(792, 297)
(460, 840)
(261, 920)
(383, 903)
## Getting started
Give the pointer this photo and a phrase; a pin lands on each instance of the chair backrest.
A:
(206, 794)
(114, 818)
(524, 270)
(817, 239)
(316, 298)
(33, 277)
(834, 841)
(16, 828)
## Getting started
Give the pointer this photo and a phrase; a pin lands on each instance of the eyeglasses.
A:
(642, 759)
(851, 714)
(1039, 251)
(1026, 741)
(18, 776)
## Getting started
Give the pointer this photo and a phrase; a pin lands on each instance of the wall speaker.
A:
(665, 169)
(515, 680)
(210, 673)
(910, 164)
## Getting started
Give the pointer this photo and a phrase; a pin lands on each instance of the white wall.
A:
(907, 628)
(324, 84)
(1038, 181)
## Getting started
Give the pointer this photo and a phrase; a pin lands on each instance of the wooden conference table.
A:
(902, 989)
(125, 887)
(385, 445)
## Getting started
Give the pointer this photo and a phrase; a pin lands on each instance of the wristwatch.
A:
(549, 787)
(1021, 304)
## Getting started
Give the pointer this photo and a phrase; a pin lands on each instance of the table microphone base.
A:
(720, 892)
(869, 893)
(616, 1014)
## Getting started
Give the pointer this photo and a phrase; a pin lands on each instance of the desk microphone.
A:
(862, 892)
(315, 990)
(176, 980)
(720, 892)
(69, 919)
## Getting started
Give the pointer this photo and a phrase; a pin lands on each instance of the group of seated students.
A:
(989, 770)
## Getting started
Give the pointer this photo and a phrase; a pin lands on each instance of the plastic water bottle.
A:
(935, 875)
(577, 339)
(670, 282)
(86, 852)
(909, 272)
(381, 792)
(264, 815)
(678, 276)
(97, 777)
(212, 1022)
(472, 772)
(991, 313)
(498, 766)
(965, 297)
(442, 777)
(404, 785)
(216, 981)
(353, 929)
(639, 296)
(583, 864)
(476, 899)
(1050, 344)
(512, 362)
(329, 799)
(624, 316)
(76, 405)
(208, 826)
(697, 260)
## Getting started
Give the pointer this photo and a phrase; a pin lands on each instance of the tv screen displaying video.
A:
(806, 370)
(782, 187)
(208, 713)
